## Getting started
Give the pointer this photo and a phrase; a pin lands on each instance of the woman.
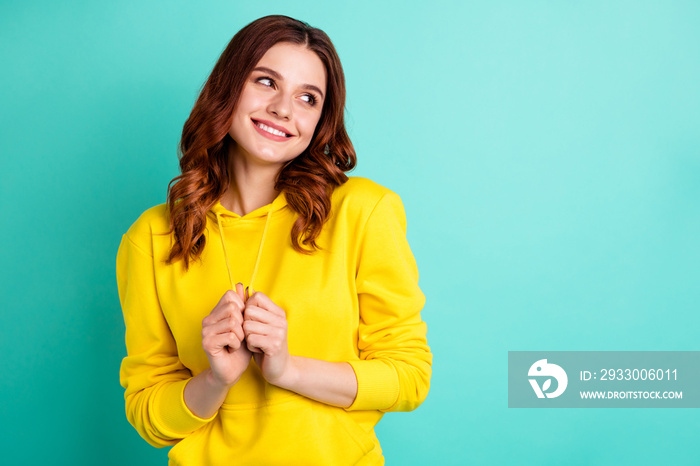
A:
(271, 306)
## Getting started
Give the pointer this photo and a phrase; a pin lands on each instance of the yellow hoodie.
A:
(355, 300)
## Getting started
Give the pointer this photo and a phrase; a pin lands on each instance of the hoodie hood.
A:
(228, 217)
(224, 217)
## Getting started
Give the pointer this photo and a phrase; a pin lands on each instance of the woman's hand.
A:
(223, 339)
(265, 328)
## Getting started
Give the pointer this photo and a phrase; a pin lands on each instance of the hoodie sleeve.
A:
(152, 375)
(394, 369)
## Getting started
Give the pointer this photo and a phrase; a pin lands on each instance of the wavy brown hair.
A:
(307, 181)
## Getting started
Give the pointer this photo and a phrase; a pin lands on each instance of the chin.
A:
(274, 159)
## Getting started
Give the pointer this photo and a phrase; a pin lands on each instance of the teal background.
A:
(547, 153)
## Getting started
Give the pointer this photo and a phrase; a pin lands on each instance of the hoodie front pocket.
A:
(293, 431)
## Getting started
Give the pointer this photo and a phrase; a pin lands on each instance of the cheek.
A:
(308, 123)
(250, 100)
(247, 103)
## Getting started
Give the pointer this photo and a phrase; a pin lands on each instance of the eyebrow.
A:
(279, 77)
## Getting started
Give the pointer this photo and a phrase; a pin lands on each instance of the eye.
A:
(266, 82)
(309, 98)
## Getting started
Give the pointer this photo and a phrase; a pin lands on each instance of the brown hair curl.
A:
(307, 181)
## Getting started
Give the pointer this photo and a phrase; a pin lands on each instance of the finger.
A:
(252, 348)
(259, 314)
(251, 327)
(264, 343)
(261, 300)
(238, 334)
(230, 296)
(216, 343)
(227, 305)
(223, 312)
(256, 314)
(253, 342)
(247, 294)
(239, 291)
(232, 324)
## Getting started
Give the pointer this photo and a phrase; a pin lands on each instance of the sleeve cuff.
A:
(173, 418)
(377, 385)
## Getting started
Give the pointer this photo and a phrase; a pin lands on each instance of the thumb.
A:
(239, 291)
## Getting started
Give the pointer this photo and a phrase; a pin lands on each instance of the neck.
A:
(250, 186)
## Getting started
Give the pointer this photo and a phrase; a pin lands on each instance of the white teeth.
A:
(271, 130)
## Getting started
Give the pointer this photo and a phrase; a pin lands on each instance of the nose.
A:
(281, 106)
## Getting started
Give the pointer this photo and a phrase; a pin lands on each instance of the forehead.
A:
(296, 64)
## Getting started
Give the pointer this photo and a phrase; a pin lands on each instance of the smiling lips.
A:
(271, 131)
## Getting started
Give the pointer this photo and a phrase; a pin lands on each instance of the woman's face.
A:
(280, 105)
